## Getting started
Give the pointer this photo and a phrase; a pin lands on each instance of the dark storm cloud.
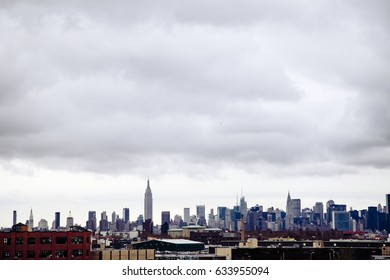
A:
(110, 88)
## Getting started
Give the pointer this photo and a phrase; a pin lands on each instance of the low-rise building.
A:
(19, 243)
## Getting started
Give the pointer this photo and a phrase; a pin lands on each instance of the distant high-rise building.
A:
(296, 207)
(57, 220)
(165, 217)
(43, 225)
(293, 210)
(212, 222)
(113, 221)
(187, 215)
(148, 203)
(177, 220)
(243, 206)
(113, 217)
(221, 210)
(165, 221)
(289, 221)
(201, 214)
(372, 218)
(69, 221)
(103, 223)
(120, 225)
(388, 212)
(341, 220)
(91, 223)
(334, 207)
(31, 221)
(126, 214)
(318, 213)
(388, 203)
(14, 218)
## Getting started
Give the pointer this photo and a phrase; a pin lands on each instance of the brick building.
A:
(19, 243)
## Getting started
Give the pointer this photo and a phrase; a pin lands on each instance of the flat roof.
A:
(194, 226)
(179, 241)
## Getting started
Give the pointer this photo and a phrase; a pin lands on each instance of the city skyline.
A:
(194, 210)
(205, 98)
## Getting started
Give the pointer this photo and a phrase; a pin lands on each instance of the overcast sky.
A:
(206, 98)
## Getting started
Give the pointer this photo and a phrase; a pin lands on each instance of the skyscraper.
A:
(243, 206)
(148, 204)
(372, 218)
(103, 223)
(388, 203)
(334, 207)
(69, 221)
(296, 207)
(113, 218)
(57, 220)
(201, 214)
(341, 220)
(126, 214)
(165, 217)
(31, 221)
(42, 225)
(318, 213)
(388, 212)
(91, 223)
(293, 210)
(187, 215)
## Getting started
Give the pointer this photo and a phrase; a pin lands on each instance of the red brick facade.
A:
(45, 245)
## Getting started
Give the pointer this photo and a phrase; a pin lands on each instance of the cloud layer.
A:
(115, 88)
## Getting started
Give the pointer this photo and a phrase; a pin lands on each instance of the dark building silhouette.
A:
(388, 212)
(57, 220)
(120, 224)
(103, 223)
(334, 207)
(165, 220)
(372, 218)
(148, 226)
(91, 223)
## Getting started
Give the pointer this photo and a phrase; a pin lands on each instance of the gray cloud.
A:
(110, 88)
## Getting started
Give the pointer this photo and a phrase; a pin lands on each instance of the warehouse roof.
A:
(170, 245)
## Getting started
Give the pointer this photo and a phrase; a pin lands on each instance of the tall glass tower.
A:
(148, 204)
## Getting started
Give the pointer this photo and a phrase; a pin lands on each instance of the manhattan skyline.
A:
(205, 98)
(193, 210)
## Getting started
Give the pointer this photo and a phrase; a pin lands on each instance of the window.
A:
(19, 254)
(31, 240)
(6, 255)
(18, 240)
(61, 240)
(6, 241)
(31, 254)
(44, 254)
(77, 240)
(45, 240)
(77, 253)
(61, 253)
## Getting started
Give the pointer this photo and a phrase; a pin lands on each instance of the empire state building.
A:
(148, 204)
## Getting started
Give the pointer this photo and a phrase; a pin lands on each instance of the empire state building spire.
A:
(148, 204)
